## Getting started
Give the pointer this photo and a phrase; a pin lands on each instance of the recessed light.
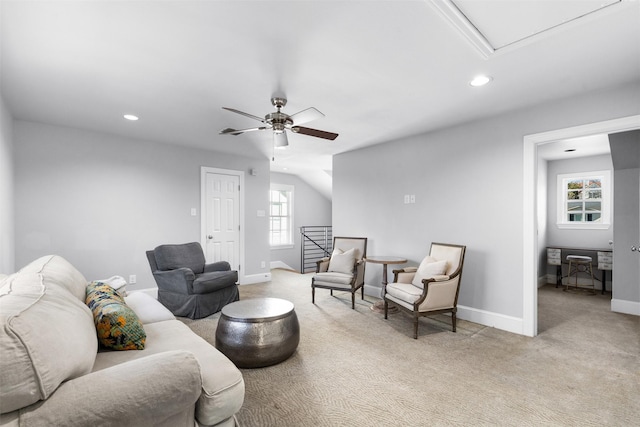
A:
(130, 117)
(480, 81)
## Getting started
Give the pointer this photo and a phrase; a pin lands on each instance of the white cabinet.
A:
(605, 260)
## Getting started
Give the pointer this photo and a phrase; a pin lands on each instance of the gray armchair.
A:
(188, 286)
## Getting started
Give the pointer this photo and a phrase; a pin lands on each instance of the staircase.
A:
(316, 243)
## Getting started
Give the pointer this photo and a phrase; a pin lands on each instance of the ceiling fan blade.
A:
(233, 110)
(305, 116)
(230, 131)
(314, 132)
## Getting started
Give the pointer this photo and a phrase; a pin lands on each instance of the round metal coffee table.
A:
(258, 332)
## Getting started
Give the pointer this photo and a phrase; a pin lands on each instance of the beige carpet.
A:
(353, 368)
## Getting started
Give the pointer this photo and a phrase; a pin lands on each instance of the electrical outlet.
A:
(412, 198)
(132, 279)
(406, 199)
(263, 264)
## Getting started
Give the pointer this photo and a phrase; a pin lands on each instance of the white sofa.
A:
(52, 372)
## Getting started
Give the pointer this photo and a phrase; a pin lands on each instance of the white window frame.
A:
(290, 189)
(605, 216)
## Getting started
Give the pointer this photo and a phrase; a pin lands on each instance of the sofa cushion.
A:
(58, 271)
(147, 308)
(404, 291)
(222, 384)
(46, 337)
(333, 279)
(117, 325)
(171, 257)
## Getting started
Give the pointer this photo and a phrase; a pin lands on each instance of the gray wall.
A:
(468, 183)
(310, 208)
(102, 200)
(543, 221)
(7, 263)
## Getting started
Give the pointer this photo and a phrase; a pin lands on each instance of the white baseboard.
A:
(626, 307)
(545, 279)
(482, 317)
(493, 320)
(255, 278)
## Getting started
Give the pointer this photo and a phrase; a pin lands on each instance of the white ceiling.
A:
(593, 145)
(378, 70)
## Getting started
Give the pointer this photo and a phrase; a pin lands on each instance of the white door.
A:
(221, 218)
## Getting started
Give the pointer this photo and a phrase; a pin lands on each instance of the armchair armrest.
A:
(439, 292)
(144, 391)
(217, 266)
(179, 280)
(404, 275)
(322, 265)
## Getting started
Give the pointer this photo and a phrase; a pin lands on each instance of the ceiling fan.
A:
(280, 122)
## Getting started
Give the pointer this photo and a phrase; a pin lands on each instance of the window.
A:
(584, 200)
(281, 215)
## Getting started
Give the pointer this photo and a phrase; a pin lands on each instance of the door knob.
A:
(211, 237)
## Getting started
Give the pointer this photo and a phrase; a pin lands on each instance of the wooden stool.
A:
(579, 264)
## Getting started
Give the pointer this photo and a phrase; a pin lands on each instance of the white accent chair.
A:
(432, 288)
(344, 270)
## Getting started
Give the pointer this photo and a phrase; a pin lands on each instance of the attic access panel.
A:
(495, 24)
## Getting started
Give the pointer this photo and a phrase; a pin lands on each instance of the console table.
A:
(556, 255)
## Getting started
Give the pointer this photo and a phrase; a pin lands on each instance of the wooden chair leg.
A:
(313, 295)
(415, 327)
(453, 320)
(386, 308)
(353, 300)
(362, 291)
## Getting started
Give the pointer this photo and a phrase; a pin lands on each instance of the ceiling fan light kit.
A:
(280, 122)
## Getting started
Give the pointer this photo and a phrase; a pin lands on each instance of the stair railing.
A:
(317, 243)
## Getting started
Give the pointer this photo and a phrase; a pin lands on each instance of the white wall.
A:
(7, 257)
(468, 183)
(310, 208)
(101, 200)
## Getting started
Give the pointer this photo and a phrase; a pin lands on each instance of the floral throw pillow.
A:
(117, 325)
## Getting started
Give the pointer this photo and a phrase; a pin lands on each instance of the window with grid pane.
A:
(584, 200)
(281, 215)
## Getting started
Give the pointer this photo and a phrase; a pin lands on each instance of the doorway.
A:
(530, 205)
(221, 215)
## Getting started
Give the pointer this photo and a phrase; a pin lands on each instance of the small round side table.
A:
(378, 307)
